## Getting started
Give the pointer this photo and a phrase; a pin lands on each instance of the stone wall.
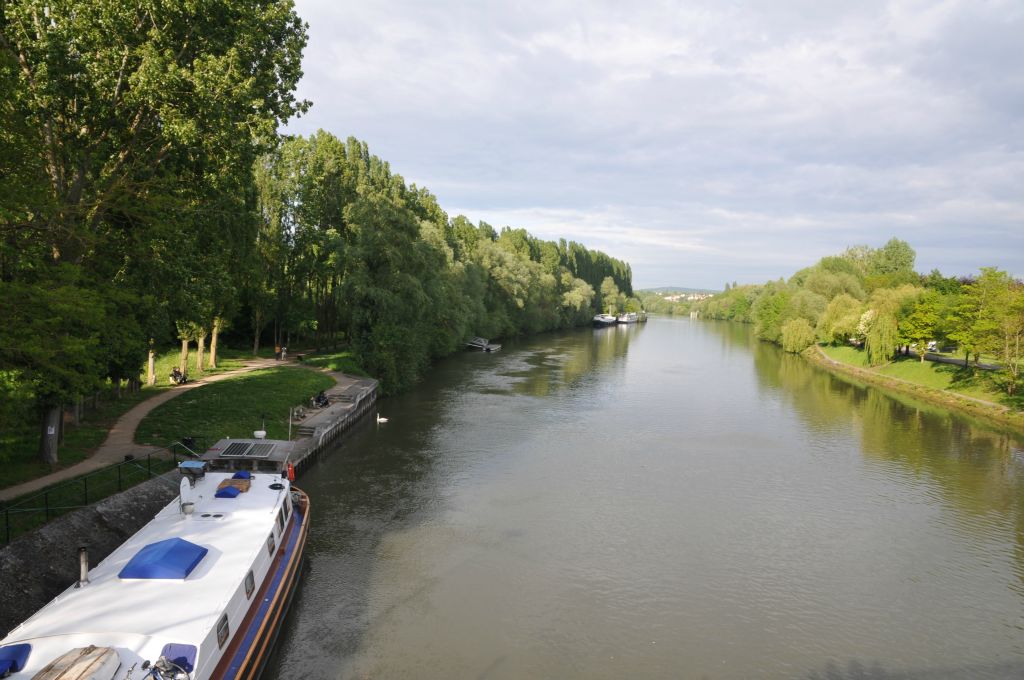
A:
(40, 565)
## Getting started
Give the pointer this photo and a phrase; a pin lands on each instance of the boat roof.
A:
(170, 582)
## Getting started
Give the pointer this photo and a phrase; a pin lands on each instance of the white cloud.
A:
(702, 141)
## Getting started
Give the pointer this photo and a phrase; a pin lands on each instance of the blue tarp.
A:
(183, 655)
(171, 558)
(13, 658)
(227, 492)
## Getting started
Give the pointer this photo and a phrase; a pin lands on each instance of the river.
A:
(668, 500)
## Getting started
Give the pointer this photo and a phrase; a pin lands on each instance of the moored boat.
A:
(603, 320)
(198, 593)
(482, 344)
(628, 317)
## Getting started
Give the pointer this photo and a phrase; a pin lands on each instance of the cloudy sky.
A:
(703, 142)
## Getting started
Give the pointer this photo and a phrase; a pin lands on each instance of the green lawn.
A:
(19, 426)
(955, 378)
(234, 407)
(166, 360)
(847, 355)
(339, 361)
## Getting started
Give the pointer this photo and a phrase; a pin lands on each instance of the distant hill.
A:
(678, 289)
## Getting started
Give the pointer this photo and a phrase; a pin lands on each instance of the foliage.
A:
(348, 251)
(145, 195)
(123, 174)
(838, 323)
(797, 335)
(873, 297)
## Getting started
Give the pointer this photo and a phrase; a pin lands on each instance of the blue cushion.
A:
(227, 492)
(242, 474)
(171, 558)
(182, 655)
(13, 657)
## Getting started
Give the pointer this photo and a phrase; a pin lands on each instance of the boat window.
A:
(287, 506)
(280, 519)
(222, 631)
(250, 584)
(270, 544)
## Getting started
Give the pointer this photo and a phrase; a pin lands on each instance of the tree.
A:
(997, 305)
(921, 324)
(797, 335)
(890, 305)
(610, 295)
(121, 115)
(838, 323)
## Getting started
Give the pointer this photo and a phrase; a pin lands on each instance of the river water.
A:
(670, 500)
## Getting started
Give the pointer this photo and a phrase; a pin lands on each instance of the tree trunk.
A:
(257, 329)
(184, 356)
(200, 350)
(213, 343)
(151, 368)
(49, 435)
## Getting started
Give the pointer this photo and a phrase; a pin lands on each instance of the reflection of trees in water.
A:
(731, 333)
(976, 469)
(570, 357)
(855, 670)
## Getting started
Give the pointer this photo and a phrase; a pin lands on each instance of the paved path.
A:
(120, 440)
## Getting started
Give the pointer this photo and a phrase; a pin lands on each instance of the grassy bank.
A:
(19, 425)
(951, 386)
(344, 362)
(234, 407)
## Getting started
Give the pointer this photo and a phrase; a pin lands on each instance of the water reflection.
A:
(567, 358)
(856, 670)
(977, 471)
(668, 500)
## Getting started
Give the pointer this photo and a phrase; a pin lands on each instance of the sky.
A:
(702, 142)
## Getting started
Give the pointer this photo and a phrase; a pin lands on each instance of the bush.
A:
(797, 335)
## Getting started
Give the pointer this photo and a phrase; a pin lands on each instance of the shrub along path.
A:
(119, 441)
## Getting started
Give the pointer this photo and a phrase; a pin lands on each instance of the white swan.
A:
(381, 420)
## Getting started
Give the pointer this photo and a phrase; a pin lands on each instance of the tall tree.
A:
(119, 114)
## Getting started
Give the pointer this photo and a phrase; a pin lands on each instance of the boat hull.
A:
(252, 647)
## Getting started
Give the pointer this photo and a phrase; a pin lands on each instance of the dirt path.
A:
(120, 440)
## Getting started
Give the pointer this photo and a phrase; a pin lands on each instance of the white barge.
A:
(198, 593)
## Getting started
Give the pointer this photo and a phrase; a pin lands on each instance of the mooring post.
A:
(85, 490)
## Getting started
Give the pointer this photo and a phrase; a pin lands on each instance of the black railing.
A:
(31, 512)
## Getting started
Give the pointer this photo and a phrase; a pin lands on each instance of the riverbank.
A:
(989, 411)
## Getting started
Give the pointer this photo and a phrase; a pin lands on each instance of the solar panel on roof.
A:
(235, 450)
(260, 451)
